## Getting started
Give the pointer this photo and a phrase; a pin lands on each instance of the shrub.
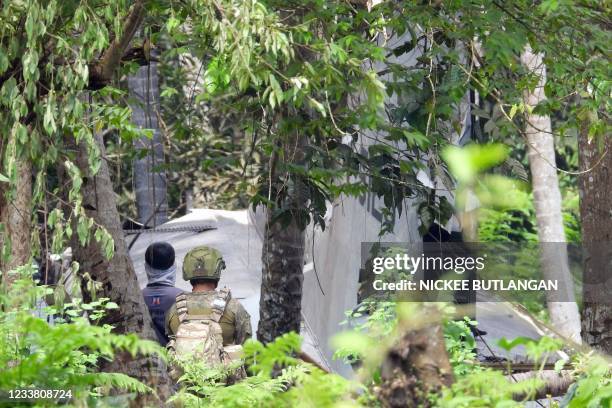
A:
(65, 355)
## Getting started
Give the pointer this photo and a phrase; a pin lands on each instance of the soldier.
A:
(160, 292)
(207, 318)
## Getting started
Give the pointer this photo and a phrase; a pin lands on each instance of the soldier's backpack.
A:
(200, 335)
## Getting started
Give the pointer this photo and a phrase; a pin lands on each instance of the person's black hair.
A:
(198, 281)
(160, 255)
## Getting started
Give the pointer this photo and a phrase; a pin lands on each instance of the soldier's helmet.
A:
(203, 262)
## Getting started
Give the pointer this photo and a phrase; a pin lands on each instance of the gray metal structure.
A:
(149, 178)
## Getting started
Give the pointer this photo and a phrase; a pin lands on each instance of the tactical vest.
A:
(199, 332)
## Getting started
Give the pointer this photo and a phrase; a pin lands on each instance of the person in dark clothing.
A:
(160, 293)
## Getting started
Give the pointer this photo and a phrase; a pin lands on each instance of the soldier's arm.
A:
(171, 321)
(243, 325)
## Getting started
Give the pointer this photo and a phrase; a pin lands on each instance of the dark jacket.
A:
(159, 298)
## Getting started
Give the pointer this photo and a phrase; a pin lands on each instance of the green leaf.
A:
(415, 138)
(277, 91)
(353, 342)
(4, 62)
(559, 364)
(549, 6)
(170, 91)
(467, 162)
(172, 23)
(509, 345)
(498, 191)
(513, 111)
(21, 134)
(82, 232)
(49, 120)
(318, 106)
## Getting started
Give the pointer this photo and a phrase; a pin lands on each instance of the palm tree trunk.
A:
(547, 200)
(595, 215)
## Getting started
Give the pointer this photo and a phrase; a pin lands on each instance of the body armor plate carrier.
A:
(200, 335)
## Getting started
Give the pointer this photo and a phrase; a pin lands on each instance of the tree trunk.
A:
(16, 215)
(547, 200)
(280, 304)
(596, 217)
(149, 177)
(417, 364)
(116, 276)
(3, 228)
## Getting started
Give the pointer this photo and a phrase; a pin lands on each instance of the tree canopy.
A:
(290, 105)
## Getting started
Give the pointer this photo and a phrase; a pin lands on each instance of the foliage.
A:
(326, 70)
(488, 388)
(517, 223)
(324, 76)
(461, 346)
(538, 351)
(293, 80)
(593, 387)
(505, 216)
(298, 384)
(475, 386)
(374, 93)
(430, 90)
(374, 326)
(44, 73)
(507, 225)
(64, 355)
(211, 151)
(277, 380)
(469, 166)
(370, 323)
